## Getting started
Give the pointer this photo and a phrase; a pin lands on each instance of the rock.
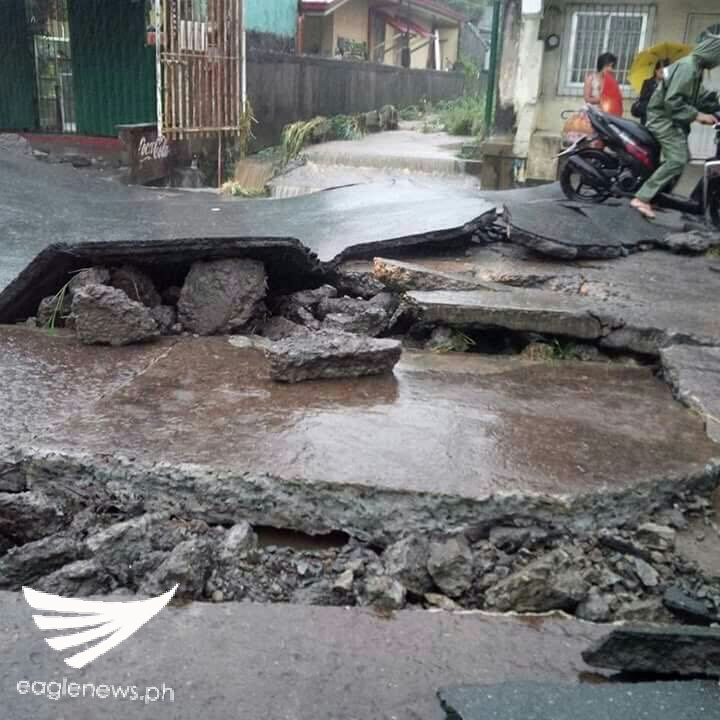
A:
(441, 601)
(657, 537)
(385, 593)
(136, 285)
(649, 577)
(27, 563)
(543, 585)
(344, 582)
(450, 564)
(279, 328)
(165, 316)
(626, 547)
(107, 316)
(319, 593)
(648, 610)
(406, 561)
(682, 651)
(221, 296)
(189, 565)
(54, 312)
(312, 298)
(510, 539)
(330, 355)
(687, 608)
(27, 516)
(217, 596)
(387, 301)
(404, 277)
(595, 608)
(676, 519)
(81, 578)
(357, 284)
(373, 122)
(239, 539)
(90, 276)
(352, 315)
(695, 241)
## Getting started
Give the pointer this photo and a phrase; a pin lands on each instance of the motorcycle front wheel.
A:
(576, 187)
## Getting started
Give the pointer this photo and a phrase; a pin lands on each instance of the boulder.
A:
(107, 316)
(136, 285)
(357, 284)
(548, 583)
(189, 565)
(595, 608)
(509, 539)
(327, 355)
(238, 540)
(385, 593)
(648, 575)
(89, 276)
(694, 241)
(54, 311)
(344, 581)
(406, 561)
(221, 296)
(279, 328)
(679, 651)
(312, 298)
(450, 564)
(353, 315)
(81, 578)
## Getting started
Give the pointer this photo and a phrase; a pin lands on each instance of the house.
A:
(549, 46)
(87, 66)
(412, 33)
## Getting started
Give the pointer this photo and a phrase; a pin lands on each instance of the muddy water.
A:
(468, 424)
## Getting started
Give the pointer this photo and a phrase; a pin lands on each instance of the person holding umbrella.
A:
(639, 107)
(678, 101)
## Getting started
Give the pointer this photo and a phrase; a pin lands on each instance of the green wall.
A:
(17, 76)
(271, 16)
(113, 70)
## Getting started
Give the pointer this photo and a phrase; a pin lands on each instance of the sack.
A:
(610, 96)
(576, 126)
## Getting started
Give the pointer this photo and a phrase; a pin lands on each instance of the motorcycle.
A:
(617, 159)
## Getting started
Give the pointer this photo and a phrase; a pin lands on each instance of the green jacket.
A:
(681, 95)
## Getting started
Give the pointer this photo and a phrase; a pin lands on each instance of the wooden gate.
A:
(200, 46)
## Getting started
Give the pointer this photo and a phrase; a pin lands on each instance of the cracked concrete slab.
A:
(694, 373)
(639, 303)
(291, 661)
(446, 440)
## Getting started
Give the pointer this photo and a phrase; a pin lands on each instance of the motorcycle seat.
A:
(635, 130)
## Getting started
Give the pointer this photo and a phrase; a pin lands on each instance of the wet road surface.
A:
(468, 425)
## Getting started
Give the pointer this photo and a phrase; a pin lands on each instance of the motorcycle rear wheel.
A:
(573, 184)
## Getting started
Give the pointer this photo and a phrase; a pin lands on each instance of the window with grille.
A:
(595, 29)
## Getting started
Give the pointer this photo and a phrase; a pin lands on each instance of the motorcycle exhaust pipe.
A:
(588, 171)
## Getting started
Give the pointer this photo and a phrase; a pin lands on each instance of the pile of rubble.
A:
(315, 333)
(601, 576)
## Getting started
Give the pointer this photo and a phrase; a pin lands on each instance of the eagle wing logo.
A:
(93, 620)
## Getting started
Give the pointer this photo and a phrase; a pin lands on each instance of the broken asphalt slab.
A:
(445, 441)
(694, 374)
(277, 661)
(640, 303)
(588, 701)
(668, 651)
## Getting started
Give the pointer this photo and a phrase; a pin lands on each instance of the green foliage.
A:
(297, 135)
(346, 127)
(456, 342)
(463, 116)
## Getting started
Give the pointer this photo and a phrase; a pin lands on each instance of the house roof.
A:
(326, 7)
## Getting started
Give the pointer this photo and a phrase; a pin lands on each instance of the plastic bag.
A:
(576, 126)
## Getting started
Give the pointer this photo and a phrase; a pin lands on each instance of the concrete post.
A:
(529, 76)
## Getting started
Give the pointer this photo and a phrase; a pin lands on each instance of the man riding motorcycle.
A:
(679, 100)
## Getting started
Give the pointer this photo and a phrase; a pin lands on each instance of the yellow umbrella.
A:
(643, 66)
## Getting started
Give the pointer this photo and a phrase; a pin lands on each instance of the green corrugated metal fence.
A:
(17, 75)
(113, 70)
